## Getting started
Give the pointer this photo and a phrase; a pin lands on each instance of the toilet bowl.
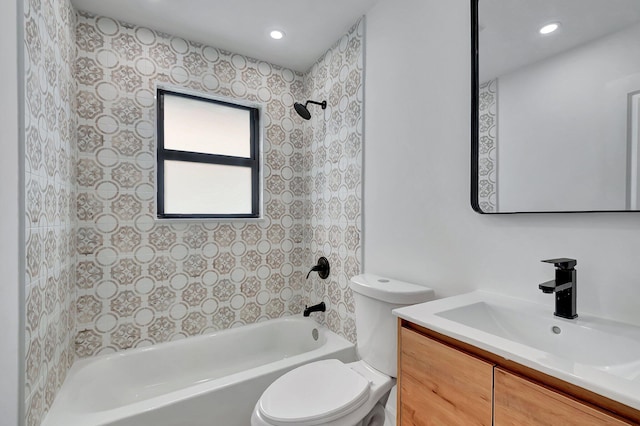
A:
(333, 393)
(325, 392)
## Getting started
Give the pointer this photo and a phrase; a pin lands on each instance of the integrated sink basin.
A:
(595, 353)
(590, 342)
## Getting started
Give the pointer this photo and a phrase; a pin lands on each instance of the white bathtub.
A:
(212, 380)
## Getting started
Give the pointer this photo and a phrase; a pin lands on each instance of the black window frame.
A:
(204, 158)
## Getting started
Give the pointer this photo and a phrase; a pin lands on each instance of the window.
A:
(208, 158)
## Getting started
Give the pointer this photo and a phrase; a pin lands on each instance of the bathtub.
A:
(214, 379)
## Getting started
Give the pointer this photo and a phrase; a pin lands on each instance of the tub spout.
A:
(320, 307)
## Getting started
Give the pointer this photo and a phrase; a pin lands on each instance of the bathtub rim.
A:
(62, 411)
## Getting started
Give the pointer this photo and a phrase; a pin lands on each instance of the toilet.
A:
(332, 393)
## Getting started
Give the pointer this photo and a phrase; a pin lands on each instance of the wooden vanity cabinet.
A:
(518, 401)
(447, 387)
(445, 382)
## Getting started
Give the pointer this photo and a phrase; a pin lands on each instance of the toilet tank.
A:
(377, 328)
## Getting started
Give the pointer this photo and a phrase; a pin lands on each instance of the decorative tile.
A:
(194, 294)
(126, 239)
(195, 265)
(88, 308)
(88, 273)
(195, 236)
(162, 329)
(126, 46)
(88, 38)
(125, 304)
(194, 323)
(87, 342)
(126, 207)
(224, 290)
(162, 268)
(125, 336)
(157, 278)
(126, 271)
(161, 298)
(223, 318)
(126, 175)
(225, 235)
(50, 188)
(488, 147)
(162, 237)
(250, 313)
(127, 143)
(88, 240)
(224, 263)
(326, 145)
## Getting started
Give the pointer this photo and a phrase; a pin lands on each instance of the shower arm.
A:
(323, 104)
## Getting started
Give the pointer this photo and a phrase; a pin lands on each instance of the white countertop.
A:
(618, 379)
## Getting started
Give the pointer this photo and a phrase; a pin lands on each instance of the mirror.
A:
(556, 108)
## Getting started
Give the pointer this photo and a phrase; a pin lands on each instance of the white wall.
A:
(10, 299)
(563, 128)
(418, 223)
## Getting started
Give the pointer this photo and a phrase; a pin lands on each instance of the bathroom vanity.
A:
(449, 375)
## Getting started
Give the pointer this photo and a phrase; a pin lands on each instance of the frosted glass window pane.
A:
(207, 127)
(200, 188)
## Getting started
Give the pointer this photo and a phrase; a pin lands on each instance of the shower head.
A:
(304, 112)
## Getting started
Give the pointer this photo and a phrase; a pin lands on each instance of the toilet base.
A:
(376, 417)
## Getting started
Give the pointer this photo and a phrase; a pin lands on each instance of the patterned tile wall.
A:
(141, 282)
(333, 161)
(488, 147)
(50, 200)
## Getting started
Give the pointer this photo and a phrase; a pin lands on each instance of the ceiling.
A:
(243, 26)
(509, 37)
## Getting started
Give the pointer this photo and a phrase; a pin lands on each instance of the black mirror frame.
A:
(475, 116)
(475, 138)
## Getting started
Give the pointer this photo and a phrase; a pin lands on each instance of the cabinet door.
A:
(520, 402)
(440, 385)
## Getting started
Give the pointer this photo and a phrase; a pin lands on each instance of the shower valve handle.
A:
(322, 268)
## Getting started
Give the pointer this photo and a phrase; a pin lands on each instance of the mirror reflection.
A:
(558, 106)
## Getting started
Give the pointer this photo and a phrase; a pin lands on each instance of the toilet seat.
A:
(314, 394)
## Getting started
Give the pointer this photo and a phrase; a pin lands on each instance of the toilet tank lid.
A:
(390, 290)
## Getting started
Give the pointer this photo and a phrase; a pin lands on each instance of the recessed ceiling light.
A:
(549, 28)
(276, 34)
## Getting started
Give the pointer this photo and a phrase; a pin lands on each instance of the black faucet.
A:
(320, 307)
(564, 287)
